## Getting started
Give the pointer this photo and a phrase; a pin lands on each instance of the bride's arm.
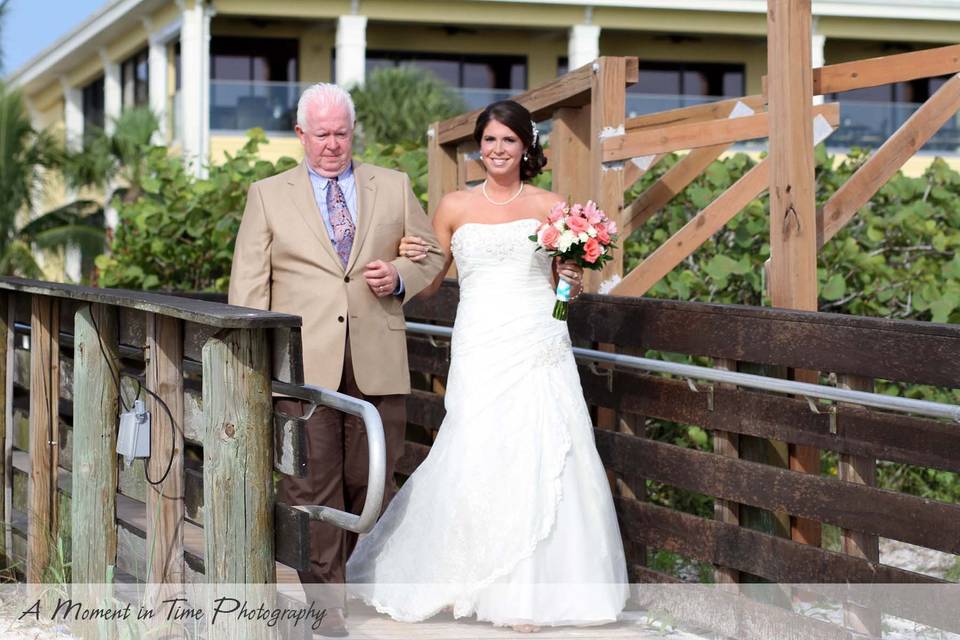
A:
(414, 247)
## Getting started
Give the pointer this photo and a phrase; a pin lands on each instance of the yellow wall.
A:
(280, 145)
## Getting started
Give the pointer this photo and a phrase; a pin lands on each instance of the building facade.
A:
(211, 69)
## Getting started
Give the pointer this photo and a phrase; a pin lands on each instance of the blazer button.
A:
(340, 319)
(346, 278)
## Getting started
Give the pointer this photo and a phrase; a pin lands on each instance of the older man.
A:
(320, 241)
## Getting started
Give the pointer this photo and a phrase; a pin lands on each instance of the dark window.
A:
(691, 79)
(254, 59)
(134, 80)
(912, 91)
(563, 66)
(93, 111)
(466, 71)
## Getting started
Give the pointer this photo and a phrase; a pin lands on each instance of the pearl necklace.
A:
(483, 188)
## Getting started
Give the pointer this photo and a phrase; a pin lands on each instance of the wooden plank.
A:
(884, 163)
(861, 470)
(873, 72)
(95, 404)
(632, 172)
(570, 142)
(165, 505)
(920, 521)
(238, 465)
(191, 309)
(291, 531)
(43, 426)
(693, 113)
(669, 185)
(442, 170)
(6, 402)
(693, 234)
(413, 454)
(423, 356)
(861, 432)
(695, 135)
(440, 308)
(726, 443)
(774, 558)
(570, 90)
(425, 409)
(8, 338)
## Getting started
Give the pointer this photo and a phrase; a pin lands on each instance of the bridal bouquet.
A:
(578, 233)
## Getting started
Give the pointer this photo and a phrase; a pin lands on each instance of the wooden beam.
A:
(726, 444)
(699, 134)
(873, 72)
(570, 90)
(695, 113)
(165, 504)
(44, 393)
(442, 172)
(887, 160)
(669, 185)
(570, 143)
(694, 233)
(238, 460)
(632, 172)
(607, 113)
(6, 426)
(793, 221)
(95, 400)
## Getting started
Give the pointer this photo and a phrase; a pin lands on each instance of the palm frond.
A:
(17, 260)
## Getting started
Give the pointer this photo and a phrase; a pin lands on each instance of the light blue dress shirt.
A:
(348, 185)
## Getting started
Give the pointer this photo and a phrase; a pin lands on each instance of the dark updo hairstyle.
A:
(518, 119)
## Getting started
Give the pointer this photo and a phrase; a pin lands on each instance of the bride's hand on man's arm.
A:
(413, 248)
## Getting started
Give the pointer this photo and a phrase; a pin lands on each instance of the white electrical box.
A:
(133, 441)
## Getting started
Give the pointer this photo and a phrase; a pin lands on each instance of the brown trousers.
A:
(337, 464)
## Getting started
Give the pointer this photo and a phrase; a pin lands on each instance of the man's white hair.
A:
(324, 94)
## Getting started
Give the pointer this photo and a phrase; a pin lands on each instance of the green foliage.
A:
(409, 158)
(179, 233)
(396, 105)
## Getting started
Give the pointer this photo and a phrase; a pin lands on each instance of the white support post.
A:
(583, 46)
(72, 115)
(157, 80)
(195, 84)
(818, 44)
(112, 94)
(351, 45)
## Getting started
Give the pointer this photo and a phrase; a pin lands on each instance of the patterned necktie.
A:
(340, 220)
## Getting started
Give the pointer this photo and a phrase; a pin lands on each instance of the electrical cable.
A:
(117, 377)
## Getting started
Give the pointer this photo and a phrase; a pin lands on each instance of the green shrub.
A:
(179, 233)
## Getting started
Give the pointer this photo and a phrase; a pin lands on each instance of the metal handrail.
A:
(376, 448)
(694, 372)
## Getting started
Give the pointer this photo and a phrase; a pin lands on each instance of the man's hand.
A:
(381, 277)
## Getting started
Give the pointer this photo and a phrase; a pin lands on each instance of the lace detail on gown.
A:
(512, 495)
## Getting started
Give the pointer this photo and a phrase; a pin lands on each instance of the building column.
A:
(72, 115)
(583, 47)
(112, 94)
(195, 84)
(351, 56)
(157, 81)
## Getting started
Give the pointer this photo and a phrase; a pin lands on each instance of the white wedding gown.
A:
(510, 516)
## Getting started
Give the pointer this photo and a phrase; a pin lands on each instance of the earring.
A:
(525, 157)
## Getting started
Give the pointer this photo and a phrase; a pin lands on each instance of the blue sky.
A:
(32, 25)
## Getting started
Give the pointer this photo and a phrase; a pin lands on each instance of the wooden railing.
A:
(211, 516)
(746, 481)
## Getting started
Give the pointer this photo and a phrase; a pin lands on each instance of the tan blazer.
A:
(284, 261)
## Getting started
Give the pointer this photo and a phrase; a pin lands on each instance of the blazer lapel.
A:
(366, 201)
(301, 192)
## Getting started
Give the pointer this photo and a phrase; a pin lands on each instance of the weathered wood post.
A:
(793, 221)
(95, 399)
(238, 471)
(5, 404)
(44, 419)
(165, 504)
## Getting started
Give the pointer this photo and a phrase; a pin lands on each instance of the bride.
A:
(510, 516)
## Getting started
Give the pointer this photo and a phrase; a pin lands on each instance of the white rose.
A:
(583, 237)
(592, 231)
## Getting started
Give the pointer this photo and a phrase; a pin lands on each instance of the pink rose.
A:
(611, 227)
(602, 234)
(577, 224)
(591, 250)
(549, 236)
